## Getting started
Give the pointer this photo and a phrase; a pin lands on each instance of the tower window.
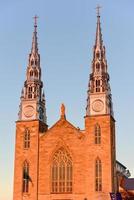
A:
(97, 134)
(27, 139)
(61, 172)
(35, 62)
(98, 175)
(97, 85)
(30, 89)
(32, 62)
(97, 54)
(25, 187)
(103, 67)
(31, 73)
(36, 73)
(98, 67)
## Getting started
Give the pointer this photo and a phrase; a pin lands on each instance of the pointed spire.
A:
(22, 93)
(34, 48)
(32, 93)
(43, 96)
(99, 94)
(98, 41)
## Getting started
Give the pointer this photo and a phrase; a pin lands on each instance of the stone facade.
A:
(79, 144)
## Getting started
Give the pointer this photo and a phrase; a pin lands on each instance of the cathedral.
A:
(63, 162)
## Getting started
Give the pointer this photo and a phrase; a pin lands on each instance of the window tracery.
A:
(61, 172)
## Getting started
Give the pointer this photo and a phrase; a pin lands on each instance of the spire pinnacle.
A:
(99, 41)
(34, 49)
(98, 7)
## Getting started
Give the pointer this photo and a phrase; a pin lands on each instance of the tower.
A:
(32, 104)
(31, 123)
(100, 123)
(99, 100)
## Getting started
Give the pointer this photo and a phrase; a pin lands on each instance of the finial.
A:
(98, 10)
(43, 96)
(22, 92)
(62, 109)
(35, 20)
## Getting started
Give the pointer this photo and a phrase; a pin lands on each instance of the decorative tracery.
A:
(61, 172)
(98, 175)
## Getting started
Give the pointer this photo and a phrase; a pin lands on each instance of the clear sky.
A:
(66, 32)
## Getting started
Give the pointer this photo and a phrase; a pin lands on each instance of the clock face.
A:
(98, 105)
(28, 111)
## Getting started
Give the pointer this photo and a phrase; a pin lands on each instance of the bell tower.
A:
(32, 104)
(30, 126)
(99, 94)
(100, 124)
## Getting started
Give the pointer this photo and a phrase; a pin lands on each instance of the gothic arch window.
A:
(61, 171)
(36, 73)
(98, 175)
(30, 89)
(25, 184)
(98, 54)
(26, 139)
(32, 62)
(35, 62)
(31, 73)
(97, 67)
(97, 134)
(97, 85)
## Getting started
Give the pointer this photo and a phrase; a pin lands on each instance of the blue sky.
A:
(66, 32)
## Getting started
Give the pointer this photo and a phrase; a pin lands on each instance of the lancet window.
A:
(26, 139)
(31, 73)
(97, 85)
(97, 67)
(36, 73)
(97, 134)
(61, 172)
(98, 175)
(30, 89)
(25, 185)
(32, 62)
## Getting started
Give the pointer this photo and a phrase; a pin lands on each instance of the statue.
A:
(63, 111)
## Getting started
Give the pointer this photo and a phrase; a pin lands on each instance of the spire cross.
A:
(35, 20)
(98, 10)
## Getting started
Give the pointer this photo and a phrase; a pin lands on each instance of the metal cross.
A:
(35, 20)
(98, 10)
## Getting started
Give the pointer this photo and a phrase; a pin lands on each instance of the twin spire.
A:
(99, 99)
